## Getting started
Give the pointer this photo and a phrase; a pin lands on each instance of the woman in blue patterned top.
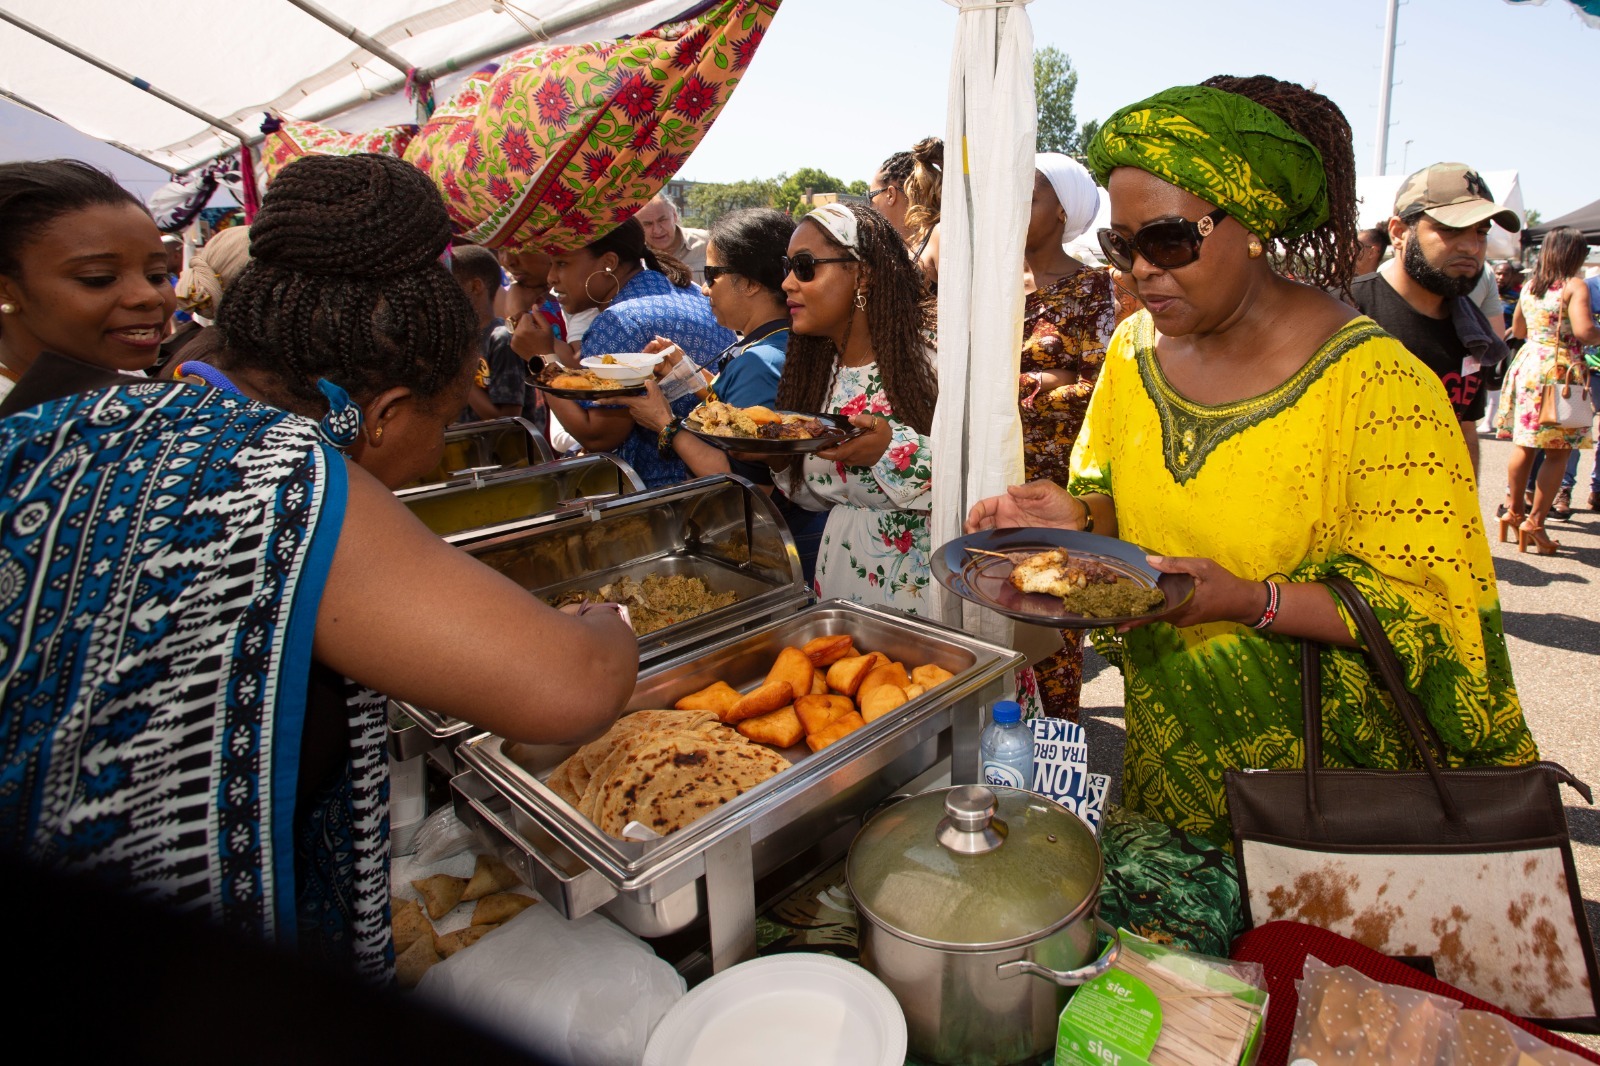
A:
(204, 581)
(642, 295)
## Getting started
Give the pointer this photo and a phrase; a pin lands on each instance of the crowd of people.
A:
(201, 551)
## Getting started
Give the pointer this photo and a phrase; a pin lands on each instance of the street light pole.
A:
(1379, 157)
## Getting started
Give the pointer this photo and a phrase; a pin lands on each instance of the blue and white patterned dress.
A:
(163, 551)
(647, 307)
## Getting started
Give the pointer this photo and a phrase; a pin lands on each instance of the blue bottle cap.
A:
(1007, 711)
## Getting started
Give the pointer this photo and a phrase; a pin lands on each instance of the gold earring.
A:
(8, 309)
(1255, 248)
(376, 434)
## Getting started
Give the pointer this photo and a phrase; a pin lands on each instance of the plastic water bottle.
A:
(1007, 748)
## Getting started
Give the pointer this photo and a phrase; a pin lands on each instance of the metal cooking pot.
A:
(976, 908)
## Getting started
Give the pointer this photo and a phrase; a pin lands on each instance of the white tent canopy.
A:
(1375, 197)
(288, 60)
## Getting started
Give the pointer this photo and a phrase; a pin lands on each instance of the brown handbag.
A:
(1470, 866)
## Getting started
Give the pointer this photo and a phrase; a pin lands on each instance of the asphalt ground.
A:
(1551, 610)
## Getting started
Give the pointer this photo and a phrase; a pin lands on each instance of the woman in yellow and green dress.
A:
(1253, 432)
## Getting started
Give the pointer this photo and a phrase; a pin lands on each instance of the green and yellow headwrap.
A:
(1225, 149)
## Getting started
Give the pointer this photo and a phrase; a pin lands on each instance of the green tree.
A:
(859, 188)
(1530, 217)
(705, 203)
(791, 187)
(1054, 84)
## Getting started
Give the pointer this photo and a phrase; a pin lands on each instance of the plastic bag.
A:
(1346, 1018)
(1488, 1038)
(441, 836)
(584, 992)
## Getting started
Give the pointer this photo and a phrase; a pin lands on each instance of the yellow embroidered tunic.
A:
(1355, 465)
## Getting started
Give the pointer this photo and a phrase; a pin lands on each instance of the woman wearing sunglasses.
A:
(641, 295)
(1252, 432)
(744, 281)
(858, 349)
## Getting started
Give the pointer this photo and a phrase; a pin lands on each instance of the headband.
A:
(840, 222)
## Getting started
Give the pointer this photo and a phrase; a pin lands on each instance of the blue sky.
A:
(839, 84)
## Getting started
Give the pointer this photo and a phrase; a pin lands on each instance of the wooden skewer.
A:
(980, 551)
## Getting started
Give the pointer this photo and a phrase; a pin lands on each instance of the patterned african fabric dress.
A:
(875, 544)
(647, 307)
(1356, 466)
(1066, 327)
(163, 551)
(1550, 349)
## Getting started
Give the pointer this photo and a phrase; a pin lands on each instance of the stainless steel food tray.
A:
(495, 445)
(720, 529)
(710, 866)
(487, 504)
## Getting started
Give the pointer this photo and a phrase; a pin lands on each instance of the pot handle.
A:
(1068, 978)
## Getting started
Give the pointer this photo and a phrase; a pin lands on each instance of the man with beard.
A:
(1440, 231)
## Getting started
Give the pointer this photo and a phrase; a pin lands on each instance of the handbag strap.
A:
(1381, 652)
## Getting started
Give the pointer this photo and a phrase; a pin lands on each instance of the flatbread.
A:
(440, 893)
(500, 907)
(560, 782)
(671, 782)
(488, 877)
(416, 961)
(408, 923)
(465, 937)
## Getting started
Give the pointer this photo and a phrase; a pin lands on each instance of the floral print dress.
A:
(875, 545)
(1550, 349)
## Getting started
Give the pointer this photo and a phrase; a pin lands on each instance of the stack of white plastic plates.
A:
(783, 1010)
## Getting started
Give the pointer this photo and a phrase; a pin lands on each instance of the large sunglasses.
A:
(804, 266)
(715, 272)
(1167, 245)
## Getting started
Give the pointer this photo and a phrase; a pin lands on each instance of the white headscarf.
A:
(1075, 191)
(840, 222)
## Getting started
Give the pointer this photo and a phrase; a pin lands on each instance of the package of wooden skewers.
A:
(1161, 1006)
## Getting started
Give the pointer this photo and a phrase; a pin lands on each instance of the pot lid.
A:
(974, 866)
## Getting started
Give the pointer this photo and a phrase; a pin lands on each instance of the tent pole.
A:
(1380, 161)
(572, 20)
(345, 29)
(138, 83)
(118, 145)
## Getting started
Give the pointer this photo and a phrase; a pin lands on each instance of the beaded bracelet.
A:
(1271, 612)
(664, 438)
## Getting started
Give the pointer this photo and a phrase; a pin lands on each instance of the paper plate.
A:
(783, 1010)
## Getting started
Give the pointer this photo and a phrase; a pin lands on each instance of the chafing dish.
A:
(719, 529)
(485, 504)
(710, 866)
(492, 446)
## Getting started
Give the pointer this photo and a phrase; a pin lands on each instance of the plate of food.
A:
(627, 368)
(582, 384)
(765, 431)
(1059, 577)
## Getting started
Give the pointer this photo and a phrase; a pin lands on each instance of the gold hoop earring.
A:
(861, 300)
(1255, 249)
(8, 309)
(595, 299)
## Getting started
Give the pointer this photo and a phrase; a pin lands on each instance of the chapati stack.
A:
(662, 769)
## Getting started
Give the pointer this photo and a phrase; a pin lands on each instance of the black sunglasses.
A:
(872, 194)
(804, 265)
(715, 272)
(1168, 244)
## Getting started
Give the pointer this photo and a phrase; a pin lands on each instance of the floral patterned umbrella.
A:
(559, 145)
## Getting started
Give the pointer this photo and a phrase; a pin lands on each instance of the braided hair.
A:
(627, 243)
(752, 244)
(34, 194)
(345, 282)
(899, 316)
(1325, 256)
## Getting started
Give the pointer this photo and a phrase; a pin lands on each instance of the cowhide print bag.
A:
(1471, 867)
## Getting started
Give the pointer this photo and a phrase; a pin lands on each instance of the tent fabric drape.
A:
(559, 145)
(988, 183)
(291, 140)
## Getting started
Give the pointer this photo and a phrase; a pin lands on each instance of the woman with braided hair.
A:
(206, 582)
(1245, 430)
(642, 295)
(908, 190)
(859, 322)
